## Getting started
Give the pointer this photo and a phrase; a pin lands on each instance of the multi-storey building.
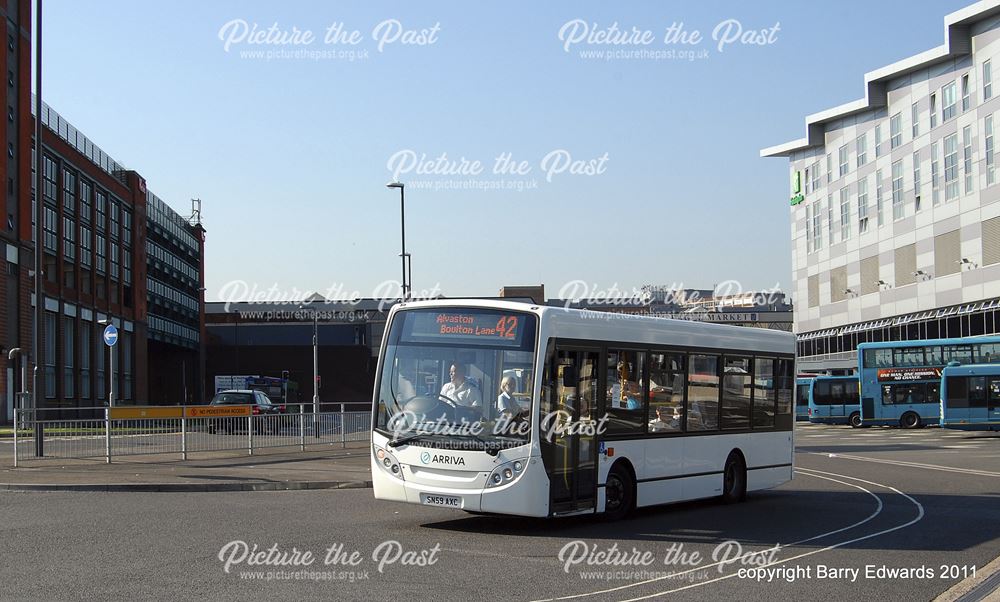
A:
(99, 226)
(895, 202)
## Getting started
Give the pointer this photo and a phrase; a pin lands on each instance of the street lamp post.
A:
(315, 343)
(404, 256)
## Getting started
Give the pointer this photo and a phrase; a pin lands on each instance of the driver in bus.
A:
(461, 390)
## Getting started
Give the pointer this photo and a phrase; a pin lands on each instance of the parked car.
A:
(260, 403)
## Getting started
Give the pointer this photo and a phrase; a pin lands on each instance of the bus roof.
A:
(600, 325)
(971, 370)
(929, 342)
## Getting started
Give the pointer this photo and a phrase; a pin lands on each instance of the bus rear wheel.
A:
(619, 493)
(855, 420)
(909, 420)
(734, 480)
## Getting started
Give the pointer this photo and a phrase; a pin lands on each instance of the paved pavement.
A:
(319, 467)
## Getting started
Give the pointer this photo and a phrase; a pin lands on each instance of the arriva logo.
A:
(427, 458)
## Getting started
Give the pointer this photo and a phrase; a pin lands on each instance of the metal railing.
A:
(183, 430)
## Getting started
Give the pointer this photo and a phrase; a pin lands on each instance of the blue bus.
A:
(834, 400)
(901, 380)
(970, 397)
(802, 397)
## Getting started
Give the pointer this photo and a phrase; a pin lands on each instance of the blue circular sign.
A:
(110, 335)
(425, 457)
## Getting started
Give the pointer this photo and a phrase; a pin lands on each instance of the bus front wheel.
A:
(909, 420)
(734, 479)
(619, 493)
(855, 420)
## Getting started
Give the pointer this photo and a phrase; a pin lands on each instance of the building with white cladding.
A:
(895, 202)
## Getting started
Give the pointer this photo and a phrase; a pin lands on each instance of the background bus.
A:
(615, 412)
(970, 397)
(834, 400)
(802, 397)
(901, 380)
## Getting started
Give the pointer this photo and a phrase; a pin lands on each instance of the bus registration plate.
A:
(441, 500)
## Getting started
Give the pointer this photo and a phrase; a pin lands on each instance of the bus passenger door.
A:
(569, 450)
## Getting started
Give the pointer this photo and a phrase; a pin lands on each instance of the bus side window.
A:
(977, 392)
(958, 392)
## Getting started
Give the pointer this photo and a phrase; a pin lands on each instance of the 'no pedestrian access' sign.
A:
(110, 335)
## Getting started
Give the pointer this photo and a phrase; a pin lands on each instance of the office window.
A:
(85, 247)
(898, 210)
(845, 214)
(829, 168)
(916, 176)
(815, 176)
(965, 93)
(948, 100)
(829, 217)
(69, 191)
(85, 201)
(967, 156)
(862, 205)
(100, 216)
(126, 266)
(935, 189)
(807, 181)
(100, 353)
(49, 225)
(933, 111)
(69, 238)
(990, 162)
(915, 119)
(50, 354)
(113, 271)
(951, 167)
(987, 81)
(703, 393)
(48, 179)
(85, 351)
(817, 226)
(878, 197)
(860, 147)
(878, 140)
(126, 366)
(69, 331)
(113, 220)
(843, 160)
(809, 235)
(895, 130)
(101, 254)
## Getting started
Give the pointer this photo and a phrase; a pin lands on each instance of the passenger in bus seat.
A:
(506, 404)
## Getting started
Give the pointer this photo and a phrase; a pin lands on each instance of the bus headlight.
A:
(505, 473)
(387, 462)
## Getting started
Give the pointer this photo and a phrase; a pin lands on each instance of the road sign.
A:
(216, 411)
(110, 335)
(139, 412)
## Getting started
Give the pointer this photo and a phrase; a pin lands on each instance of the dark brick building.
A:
(113, 252)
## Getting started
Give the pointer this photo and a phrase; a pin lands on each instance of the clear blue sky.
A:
(290, 156)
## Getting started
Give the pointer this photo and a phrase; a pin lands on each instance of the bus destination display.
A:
(477, 328)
